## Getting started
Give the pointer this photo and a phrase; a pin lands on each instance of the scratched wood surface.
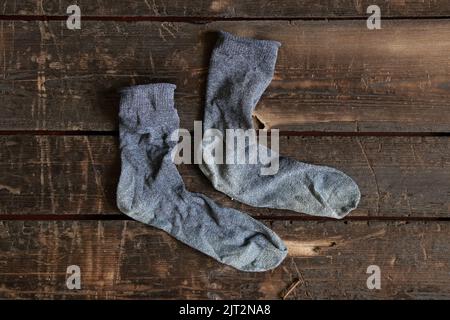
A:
(129, 260)
(73, 175)
(374, 104)
(230, 8)
(330, 75)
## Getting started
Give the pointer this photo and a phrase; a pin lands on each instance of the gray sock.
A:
(240, 71)
(151, 190)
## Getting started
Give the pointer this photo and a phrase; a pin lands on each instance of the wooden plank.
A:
(330, 76)
(230, 8)
(398, 176)
(130, 260)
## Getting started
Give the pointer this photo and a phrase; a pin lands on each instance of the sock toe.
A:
(345, 196)
(268, 258)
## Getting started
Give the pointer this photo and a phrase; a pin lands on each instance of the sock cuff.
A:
(229, 43)
(144, 95)
(150, 107)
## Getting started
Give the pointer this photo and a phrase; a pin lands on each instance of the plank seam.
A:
(206, 19)
(115, 133)
(122, 217)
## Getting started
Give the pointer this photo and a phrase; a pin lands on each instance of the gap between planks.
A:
(206, 19)
(115, 133)
(300, 217)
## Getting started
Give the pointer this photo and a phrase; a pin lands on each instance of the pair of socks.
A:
(152, 191)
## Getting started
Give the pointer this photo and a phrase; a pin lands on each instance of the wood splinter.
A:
(291, 288)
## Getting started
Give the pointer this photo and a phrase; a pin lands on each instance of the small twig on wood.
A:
(291, 288)
(304, 282)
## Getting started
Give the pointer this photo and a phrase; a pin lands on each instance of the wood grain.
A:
(122, 260)
(54, 175)
(330, 76)
(230, 8)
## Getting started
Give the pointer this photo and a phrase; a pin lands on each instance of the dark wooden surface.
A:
(375, 104)
(230, 8)
(129, 260)
(330, 75)
(398, 176)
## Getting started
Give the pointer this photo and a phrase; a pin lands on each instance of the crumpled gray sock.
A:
(152, 191)
(240, 71)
